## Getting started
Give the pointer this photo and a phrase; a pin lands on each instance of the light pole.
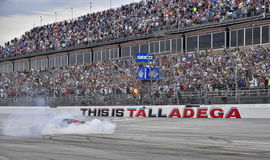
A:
(90, 7)
(40, 20)
(110, 4)
(71, 13)
(55, 16)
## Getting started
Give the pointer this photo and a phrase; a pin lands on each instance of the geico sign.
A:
(203, 112)
(145, 57)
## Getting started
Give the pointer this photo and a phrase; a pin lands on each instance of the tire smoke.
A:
(44, 122)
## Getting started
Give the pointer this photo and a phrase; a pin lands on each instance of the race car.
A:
(58, 123)
(68, 121)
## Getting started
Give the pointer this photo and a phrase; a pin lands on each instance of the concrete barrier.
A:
(178, 111)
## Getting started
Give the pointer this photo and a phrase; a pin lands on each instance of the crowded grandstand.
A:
(207, 51)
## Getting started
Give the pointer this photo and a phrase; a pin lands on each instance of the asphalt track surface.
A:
(150, 139)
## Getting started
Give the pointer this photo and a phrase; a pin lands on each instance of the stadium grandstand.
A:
(207, 52)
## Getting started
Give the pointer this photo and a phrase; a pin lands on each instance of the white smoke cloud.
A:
(40, 121)
(92, 127)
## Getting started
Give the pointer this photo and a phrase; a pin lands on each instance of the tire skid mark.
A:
(235, 150)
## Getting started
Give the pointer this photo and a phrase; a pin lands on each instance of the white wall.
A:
(177, 111)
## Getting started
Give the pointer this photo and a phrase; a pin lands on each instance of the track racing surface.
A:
(148, 139)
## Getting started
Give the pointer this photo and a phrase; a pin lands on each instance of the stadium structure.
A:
(151, 80)
(204, 56)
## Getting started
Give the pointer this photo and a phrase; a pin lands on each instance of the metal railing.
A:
(251, 95)
(252, 92)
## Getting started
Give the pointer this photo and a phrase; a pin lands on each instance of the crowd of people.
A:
(208, 71)
(133, 19)
(204, 71)
(245, 68)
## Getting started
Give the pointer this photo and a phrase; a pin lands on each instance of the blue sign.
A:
(154, 73)
(145, 73)
(144, 57)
